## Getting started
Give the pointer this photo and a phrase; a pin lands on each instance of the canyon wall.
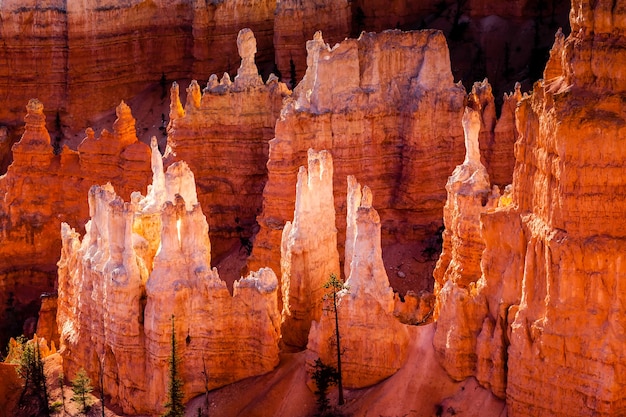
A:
(141, 271)
(41, 189)
(296, 21)
(569, 188)
(58, 50)
(226, 122)
(543, 324)
(386, 108)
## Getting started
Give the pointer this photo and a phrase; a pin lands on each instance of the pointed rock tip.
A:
(34, 106)
(366, 199)
(122, 109)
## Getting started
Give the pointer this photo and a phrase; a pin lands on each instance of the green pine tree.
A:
(334, 285)
(324, 376)
(31, 370)
(81, 385)
(174, 406)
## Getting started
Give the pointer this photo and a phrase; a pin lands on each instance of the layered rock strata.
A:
(497, 136)
(458, 312)
(58, 50)
(228, 121)
(551, 338)
(118, 299)
(41, 189)
(386, 107)
(296, 21)
(568, 189)
(373, 342)
(308, 249)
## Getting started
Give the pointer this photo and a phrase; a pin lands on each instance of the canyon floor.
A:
(284, 392)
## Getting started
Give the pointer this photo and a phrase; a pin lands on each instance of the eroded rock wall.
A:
(569, 188)
(57, 50)
(387, 109)
(41, 189)
(296, 21)
(225, 122)
(548, 335)
(119, 301)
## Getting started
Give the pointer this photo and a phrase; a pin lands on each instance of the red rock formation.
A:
(215, 25)
(228, 122)
(373, 342)
(548, 336)
(296, 21)
(308, 249)
(568, 189)
(10, 388)
(386, 108)
(500, 151)
(57, 50)
(47, 321)
(459, 315)
(41, 190)
(117, 297)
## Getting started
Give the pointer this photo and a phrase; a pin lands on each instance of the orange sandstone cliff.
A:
(42, 189)
(387, 109)
(543, 322)
(59, 50)
(123, 300)
(222, 132)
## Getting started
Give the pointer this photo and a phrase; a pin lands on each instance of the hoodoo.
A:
(373, 342)
(141, 263)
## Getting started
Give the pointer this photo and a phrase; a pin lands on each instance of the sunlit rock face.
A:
(42, 188)
(141, 263)
(308, 249)
(222, 132)
(386, 107)
(544, 311)
(373, 343)
(459, 311)
(569, 191)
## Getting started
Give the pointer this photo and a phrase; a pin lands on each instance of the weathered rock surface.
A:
(373, 342)
(227, 122)
(458, 313)
(56, 50)
(47, 320)
(308, 249)
(117, 297)
(569, 192)
(40, 190)
(296, 21)
(386, 108)
(547, 323)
